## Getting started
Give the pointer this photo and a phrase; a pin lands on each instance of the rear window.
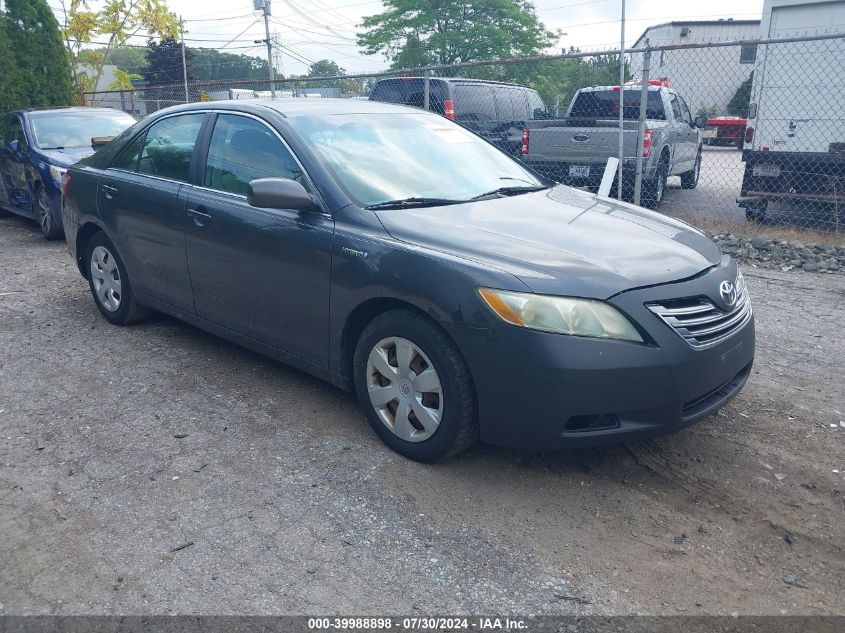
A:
(604, 104)
(410, 92)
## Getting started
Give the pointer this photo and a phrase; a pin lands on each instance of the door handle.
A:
(200, 217)
(109, 191)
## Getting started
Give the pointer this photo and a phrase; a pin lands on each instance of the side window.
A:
(243, 149)
(169, 146)
(16, 133)
(685, 114)
(538, 108)
(511, 104)
(676, 108)
(748, 53)
(474, 103)
(129, 158)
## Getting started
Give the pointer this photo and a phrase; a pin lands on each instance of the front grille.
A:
(699, 322)
(717, 397)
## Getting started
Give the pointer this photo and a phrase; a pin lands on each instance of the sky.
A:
(309, 30)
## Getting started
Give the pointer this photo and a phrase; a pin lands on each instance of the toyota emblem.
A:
(727, 291)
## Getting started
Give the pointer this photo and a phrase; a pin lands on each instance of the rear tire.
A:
(689, 179)
(109, 282)
(405, 364)
(756, 214)
(655, 188)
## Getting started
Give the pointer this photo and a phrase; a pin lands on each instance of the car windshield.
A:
(377, 158)
(58, 130)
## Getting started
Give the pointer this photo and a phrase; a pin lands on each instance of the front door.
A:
(15, 154)
(141, 198)
(264, 273)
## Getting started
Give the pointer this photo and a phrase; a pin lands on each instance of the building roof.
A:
(698, 23)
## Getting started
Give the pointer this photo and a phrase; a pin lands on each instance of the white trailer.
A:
(795, 138)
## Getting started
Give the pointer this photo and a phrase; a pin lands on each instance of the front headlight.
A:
(56, 173)
(563, 315)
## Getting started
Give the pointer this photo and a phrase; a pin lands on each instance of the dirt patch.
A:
(158, 435)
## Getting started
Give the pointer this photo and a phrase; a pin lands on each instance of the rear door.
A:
(513, 112)
(141, 198)
(264, 273)
(690, 134)
(678, 137)
(475, 109)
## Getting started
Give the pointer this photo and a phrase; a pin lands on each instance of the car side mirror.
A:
(279, 193)
(14, 147)
(701, 122)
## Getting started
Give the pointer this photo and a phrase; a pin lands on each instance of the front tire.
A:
(50, 228)
(415, 387)
(110, 284)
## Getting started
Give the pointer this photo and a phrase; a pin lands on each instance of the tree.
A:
(738, 105)
(123, 80)
(42, 66)
(164, 63)
(209, 64)
(325, 68)
(204, 64)
(453, 31)
(128, 58)
(11, 81)
(114, 21)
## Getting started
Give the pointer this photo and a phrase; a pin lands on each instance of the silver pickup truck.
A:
(574, 149)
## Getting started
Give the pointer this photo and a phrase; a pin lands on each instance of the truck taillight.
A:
(526, 137)
(749, 134)
(65, 184)
(449, 109)
(648, 138)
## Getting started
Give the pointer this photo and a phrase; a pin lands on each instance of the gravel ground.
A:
(182, 474)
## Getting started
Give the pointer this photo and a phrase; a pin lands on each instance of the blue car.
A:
(37, 147)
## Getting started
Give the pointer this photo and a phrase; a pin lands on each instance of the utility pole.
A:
(264, 5)
(621, 104)
(184, 63)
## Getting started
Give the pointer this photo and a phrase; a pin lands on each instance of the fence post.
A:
(427, 89)
(638, 178)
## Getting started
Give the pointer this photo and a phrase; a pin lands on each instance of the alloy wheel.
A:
(106, 278)
(404, 389)
(45, 218)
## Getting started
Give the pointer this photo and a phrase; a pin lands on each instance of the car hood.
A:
(561, 241)
(66, 157)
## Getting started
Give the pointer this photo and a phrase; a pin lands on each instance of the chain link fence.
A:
(733, 134)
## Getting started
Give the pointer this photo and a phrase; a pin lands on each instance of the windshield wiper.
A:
(508, 191)
(412, 202)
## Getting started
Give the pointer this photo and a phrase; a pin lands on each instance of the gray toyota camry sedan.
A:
(390, 251)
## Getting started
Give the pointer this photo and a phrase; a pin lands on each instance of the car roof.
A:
(68, 109)
(459, 80)
(295, 107)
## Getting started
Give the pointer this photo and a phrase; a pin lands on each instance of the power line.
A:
(253, 23)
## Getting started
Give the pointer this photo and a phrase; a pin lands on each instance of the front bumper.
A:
(541, 391)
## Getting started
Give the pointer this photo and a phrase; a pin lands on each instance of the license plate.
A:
(767, 171)
(579, 171)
